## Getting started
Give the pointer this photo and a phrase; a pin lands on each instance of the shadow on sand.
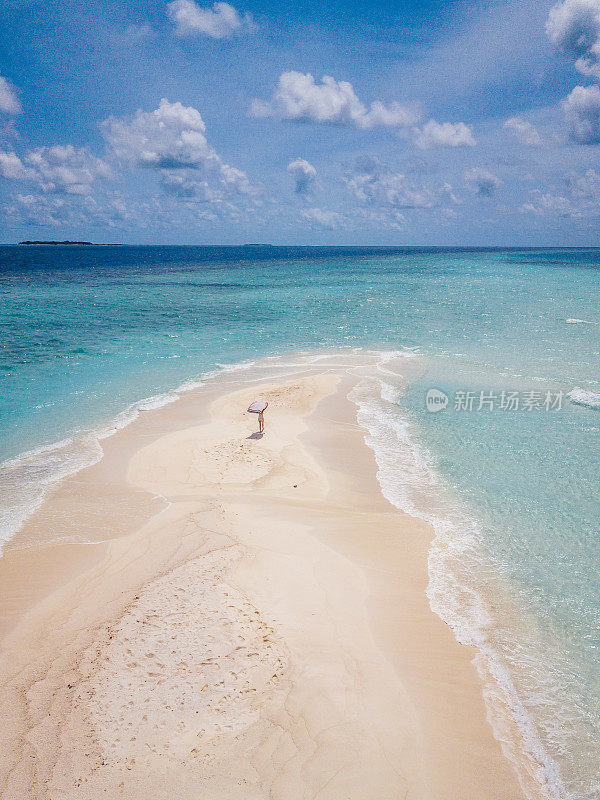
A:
(256, 435)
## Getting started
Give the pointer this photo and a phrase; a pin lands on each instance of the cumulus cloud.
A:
(577, 198)
(481, 181)
(392, 219)
(171, 139)
(68, 183)
(547, 204)
(523, 131)
(190, 185)
(59, 169)
(584, 185)
(12, 167)
(37, 209)
(9, 102)
(582, 112)
(220, 22)
(64, 168)
(322, 218)
(299, 97)
(55, 186)
(373, 184)
(304, 174)
(574, 27)
(444, 134)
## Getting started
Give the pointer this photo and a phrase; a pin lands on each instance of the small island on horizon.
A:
(51, 241)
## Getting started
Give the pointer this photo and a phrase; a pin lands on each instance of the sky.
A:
(422, 122)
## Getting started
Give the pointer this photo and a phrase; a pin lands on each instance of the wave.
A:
(583, 397)
(409, 481)
(26, 480)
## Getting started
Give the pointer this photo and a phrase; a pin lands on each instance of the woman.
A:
(261, 420)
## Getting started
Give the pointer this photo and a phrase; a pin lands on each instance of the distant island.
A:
(52, 241)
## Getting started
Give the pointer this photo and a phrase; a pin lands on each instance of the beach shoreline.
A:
(241, 617)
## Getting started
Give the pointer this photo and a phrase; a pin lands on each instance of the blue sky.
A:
(301, 122)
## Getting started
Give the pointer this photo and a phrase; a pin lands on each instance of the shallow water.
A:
(92, 335)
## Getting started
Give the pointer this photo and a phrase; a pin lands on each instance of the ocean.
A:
(495, 441)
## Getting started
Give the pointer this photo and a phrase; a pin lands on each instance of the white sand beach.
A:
(221, 615)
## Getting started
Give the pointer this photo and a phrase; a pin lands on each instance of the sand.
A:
(241, 618)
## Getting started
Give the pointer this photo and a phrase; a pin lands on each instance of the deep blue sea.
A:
(507, 471)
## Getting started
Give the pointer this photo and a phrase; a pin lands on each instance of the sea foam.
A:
(583, 397)
(26, 480)
(409, 481)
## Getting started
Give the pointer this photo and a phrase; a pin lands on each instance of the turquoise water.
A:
(90, 333)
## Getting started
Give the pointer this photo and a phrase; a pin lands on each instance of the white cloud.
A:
(373, 184)
(578, 198)
(444, 134)
(64, 168)
(298, 97)
(322, 218)
(574, 27)
(38, 209)
(304, 174)
(169, 141)
(12, 167)
(109, 210)
(172, 141)
(523, 131)
(59, 169)
(220, 22)
(546, 204)
(390, 219)
(9, 102)
(582, 112)
(190, 185)
(585, 186)
(170, 137)
(481, 181)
